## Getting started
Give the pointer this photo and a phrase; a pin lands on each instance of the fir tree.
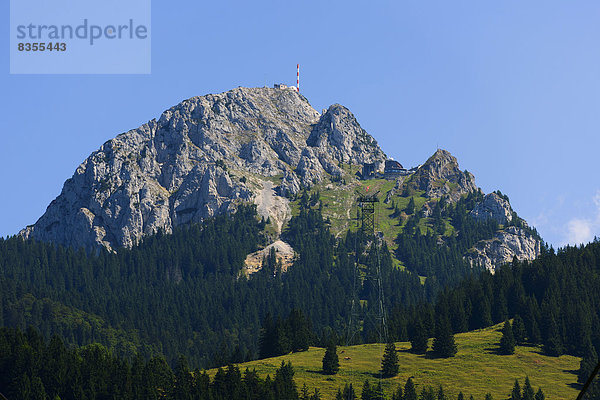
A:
(516, 391)
(348, 393)
(410, 208)
(507, 342)
(441, 395)
(419, 338)
(367, 391)
(305, 393)
(377, 392)
(528, 392)
(488, 396)
(389, 363)
(38, 392)
(460, 396)
(587, 364)
(316, 395)
(410, 392)
(540, 395)
(183, 379)
(518, 328)
(331, 362)
(284, 386)
(300, 330)
(397, 395)
(427, 393)
(443, 343)
(553, 344)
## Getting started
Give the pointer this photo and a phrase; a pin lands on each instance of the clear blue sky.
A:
(511, 88)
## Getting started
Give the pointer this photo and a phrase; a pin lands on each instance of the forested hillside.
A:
(183, 293)
(554, 297)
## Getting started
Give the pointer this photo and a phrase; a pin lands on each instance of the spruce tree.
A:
(305, 393)
(389, 363)
(460, 396)
(367, 391)
(488, 396)
(516, 391)
(397, 395)
(441, 395)
(443, 343)
(267, 337)
(507, 342)
(331, 362)
(38, 392)
(587, 364)
(553, 344)
(349, 393)
(183, 379)
(410, 208)
(528, 392)
(518, 328)
(419, 338)
(377, 392)
(316, 395)
(410, 392)
(540, 395)
(427, 393)
(300, 330)
(284, 386)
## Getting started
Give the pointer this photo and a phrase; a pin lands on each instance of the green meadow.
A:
(476, 370)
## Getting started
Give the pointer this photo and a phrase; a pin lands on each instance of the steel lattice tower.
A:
(366, 202)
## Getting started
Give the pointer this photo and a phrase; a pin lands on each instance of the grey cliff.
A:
(201, 158)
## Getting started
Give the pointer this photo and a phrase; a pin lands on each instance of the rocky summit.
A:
(208, 154)
(441, 176)
(199, 159)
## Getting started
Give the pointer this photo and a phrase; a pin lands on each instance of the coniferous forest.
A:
(179, 302)
(33, 368)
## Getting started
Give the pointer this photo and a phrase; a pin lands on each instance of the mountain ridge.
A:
(207, 154)
(192, 163)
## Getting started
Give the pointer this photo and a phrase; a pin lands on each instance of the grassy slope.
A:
(339, 204)
(475, 370)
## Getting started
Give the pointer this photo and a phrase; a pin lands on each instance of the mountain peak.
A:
(199, 159)
(441, 176)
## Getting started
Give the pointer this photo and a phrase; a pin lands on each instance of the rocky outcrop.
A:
(493, 207)
(503, 247)
(284, 255)
(273, 207)
(441, 176)
(339, 136)
(201, 158)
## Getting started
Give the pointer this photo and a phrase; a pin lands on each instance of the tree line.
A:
(32, 368)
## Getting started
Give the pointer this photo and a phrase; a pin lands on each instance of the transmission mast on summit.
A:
(298, 78)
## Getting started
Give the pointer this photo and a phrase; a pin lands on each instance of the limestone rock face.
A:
(441, 176)
(494, 207)
(506, 244)
(339, 135)
(199, 159)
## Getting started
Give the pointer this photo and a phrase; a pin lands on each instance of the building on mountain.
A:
(368, 171)
(281, 86)
(393, 169)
